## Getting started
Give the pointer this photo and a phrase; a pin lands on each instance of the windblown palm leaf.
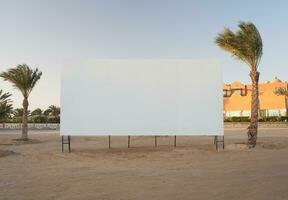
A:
(5, 106)
(4, 97)
(246, 44)
(6, 110)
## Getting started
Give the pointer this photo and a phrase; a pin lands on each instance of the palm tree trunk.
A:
(253, 127)
(25, 119)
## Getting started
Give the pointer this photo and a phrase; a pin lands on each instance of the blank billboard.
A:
(142, 97)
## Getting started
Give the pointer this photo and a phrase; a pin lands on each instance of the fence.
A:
(52, 126)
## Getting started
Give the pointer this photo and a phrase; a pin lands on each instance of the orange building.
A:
(237, 99)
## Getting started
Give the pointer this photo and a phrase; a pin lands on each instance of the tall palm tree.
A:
(246, 45)
(24, 79)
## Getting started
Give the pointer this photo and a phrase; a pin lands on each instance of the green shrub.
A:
(52, 119)
(284, 119)
(237, 119)
(240, 119)
(270, 119)
(228, 119)
(261, 119)
(16, 120)
(37, 119)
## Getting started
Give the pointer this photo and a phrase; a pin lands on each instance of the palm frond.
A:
(245, 44)
(6, 107)
(4, 97)
(23, 78)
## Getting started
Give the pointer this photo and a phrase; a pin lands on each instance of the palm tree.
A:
(53, 114)
(5, 106)
(52, 111)
(24, 79)
(246, 45)
(283, 92)
(37, 111)
(37, 116)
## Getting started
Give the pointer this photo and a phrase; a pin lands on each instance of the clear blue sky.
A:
(46, 34)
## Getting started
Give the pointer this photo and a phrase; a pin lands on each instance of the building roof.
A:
(275, 80)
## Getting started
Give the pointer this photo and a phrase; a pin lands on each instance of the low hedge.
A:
(237, 119)
(261, 119)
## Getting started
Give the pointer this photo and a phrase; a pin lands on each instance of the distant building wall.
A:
(237, 99)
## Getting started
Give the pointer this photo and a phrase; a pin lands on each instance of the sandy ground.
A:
(192, 170)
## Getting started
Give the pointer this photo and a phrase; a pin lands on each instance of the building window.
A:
(263, 113)
(273, 112)
(225, 93)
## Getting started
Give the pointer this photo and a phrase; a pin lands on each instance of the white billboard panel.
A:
(142, 97)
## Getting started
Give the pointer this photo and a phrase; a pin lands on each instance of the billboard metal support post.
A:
(175, 141)
(68, 142)
(155, 141)
(109, 142)
(221, 141)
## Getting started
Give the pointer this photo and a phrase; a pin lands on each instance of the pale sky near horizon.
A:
(46, 34)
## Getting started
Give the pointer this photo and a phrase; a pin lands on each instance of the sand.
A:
(192, 170)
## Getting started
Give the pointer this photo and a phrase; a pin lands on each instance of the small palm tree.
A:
(246, 45)
(281, 91)
(37, 111)
(6, 108)
(52, 111)
(37, 116)
(24, 79)
(53, 114)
